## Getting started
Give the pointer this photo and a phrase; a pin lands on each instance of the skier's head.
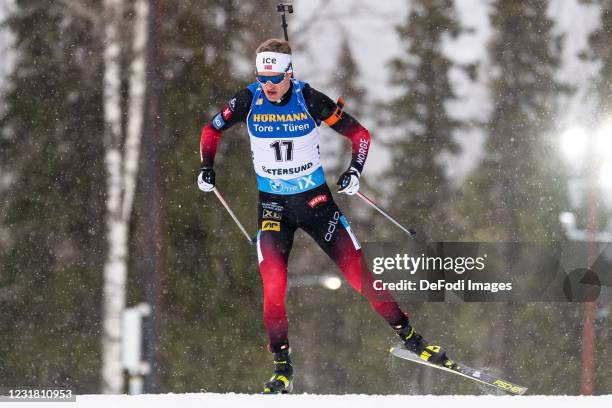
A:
(274, 70)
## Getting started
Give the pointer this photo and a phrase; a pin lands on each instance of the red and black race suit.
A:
(316, 213)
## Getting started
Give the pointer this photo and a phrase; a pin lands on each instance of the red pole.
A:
(588, 308)
(588, 348)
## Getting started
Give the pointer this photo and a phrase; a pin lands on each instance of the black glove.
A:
(206, 179)
(349, 181)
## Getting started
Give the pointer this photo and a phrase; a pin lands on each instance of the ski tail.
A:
(468, 372)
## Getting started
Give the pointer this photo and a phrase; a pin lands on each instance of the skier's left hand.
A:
(349, 181)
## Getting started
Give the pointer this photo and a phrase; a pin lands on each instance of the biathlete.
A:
(282, 116)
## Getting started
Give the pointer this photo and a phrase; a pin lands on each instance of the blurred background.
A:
(491, 121)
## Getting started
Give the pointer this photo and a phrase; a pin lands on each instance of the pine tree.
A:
(421, 190)
(422, 131)
(516, 193)
(346, 79)
(54, 206)
(52, 149)
(211, 321)
(345, 82)
(600, 50)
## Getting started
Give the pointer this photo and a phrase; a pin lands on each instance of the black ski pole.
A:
(284, 8)
(410, 232)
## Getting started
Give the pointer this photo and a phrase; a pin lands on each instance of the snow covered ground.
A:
(209, 400)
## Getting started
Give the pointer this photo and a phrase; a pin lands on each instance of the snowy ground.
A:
(320, 401)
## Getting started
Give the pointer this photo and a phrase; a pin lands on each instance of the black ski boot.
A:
(281, 381)
(418, 345)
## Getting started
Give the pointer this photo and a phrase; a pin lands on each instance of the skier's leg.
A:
(329, 228)
(274, 242)
(331, 231)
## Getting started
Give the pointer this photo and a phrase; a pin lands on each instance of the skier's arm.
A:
(359, 136)
(323, 109)
(236, 110)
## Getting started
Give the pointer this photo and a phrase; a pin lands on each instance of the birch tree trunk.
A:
(138, 79)
(115, 268)
(121, 169)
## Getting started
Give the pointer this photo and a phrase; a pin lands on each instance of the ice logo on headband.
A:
(273, 62)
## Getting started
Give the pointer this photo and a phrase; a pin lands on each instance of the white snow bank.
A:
(209, 400)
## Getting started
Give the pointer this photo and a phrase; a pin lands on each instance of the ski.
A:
(477, 375)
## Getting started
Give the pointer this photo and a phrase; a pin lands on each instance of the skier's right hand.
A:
(206, 179)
